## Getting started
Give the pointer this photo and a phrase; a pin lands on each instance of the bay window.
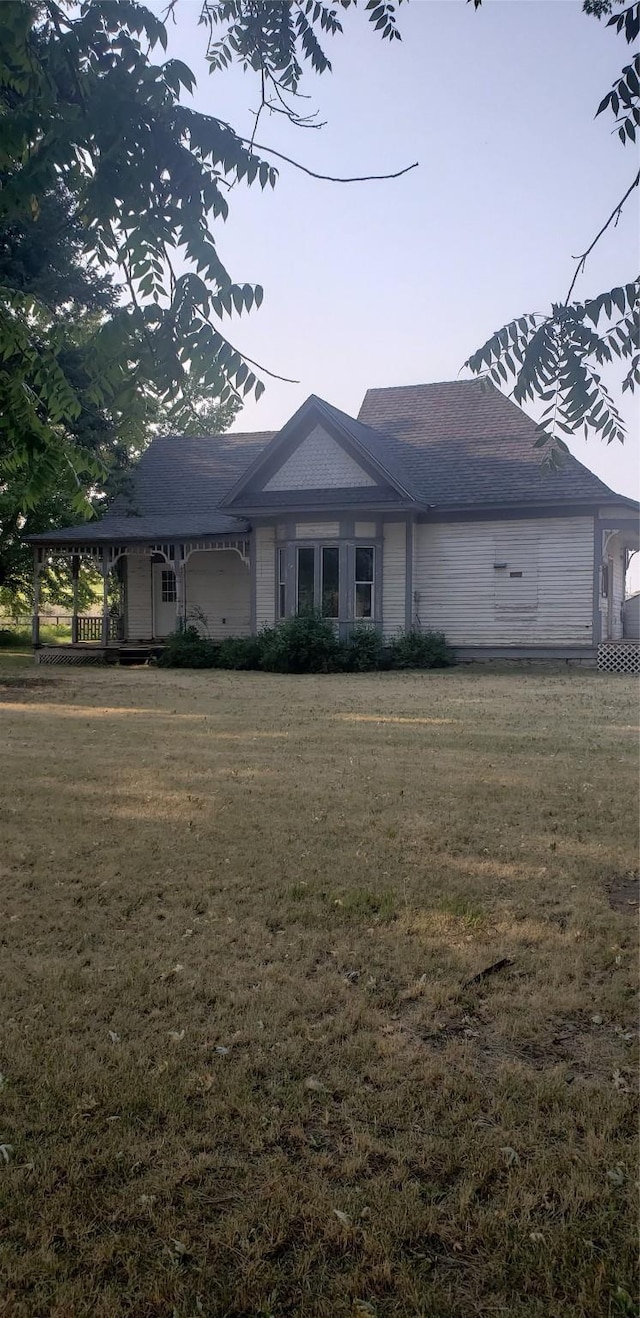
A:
(336, 580)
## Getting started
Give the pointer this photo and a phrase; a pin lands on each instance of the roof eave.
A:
(563, 505)
(47, 540)
(281, 511)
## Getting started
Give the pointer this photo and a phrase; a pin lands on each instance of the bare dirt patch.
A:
(623, 894)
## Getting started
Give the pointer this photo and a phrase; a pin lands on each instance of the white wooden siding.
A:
(219, 584)
(365, 530)
(138, 624)
(265, 576)
(415, 551)
(318, 463)
(614, 514)
(394, 571)
(516, 583)
(458, 592)
(317, 530)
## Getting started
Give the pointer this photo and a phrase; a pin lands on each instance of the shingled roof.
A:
(456, 445)
(174, 491)
(463, 444)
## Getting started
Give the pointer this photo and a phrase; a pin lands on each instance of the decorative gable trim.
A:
(311, 417)
(319, 462)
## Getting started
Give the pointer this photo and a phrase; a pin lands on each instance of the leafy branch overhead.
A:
(92, 108)
(558, 358)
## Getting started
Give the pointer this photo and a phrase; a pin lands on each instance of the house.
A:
(430, 509)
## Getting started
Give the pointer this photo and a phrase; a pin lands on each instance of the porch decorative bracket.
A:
(242, 547)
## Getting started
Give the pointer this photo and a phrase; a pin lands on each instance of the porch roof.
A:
(119, 529)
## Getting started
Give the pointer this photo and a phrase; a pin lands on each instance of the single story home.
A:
(431, 509)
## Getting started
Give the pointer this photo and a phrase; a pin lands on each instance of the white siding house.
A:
(428, 510)
(394, 576)
(218, 588)
(501, 583)
(265, 576)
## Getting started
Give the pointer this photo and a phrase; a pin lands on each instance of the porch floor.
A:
(92, 652)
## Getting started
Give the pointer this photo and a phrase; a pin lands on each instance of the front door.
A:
(164, 600)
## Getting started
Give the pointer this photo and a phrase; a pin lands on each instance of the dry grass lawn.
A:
(245, 1072)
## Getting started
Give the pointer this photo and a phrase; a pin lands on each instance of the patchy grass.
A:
(242, 1074)
(12, 659)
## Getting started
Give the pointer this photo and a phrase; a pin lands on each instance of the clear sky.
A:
(398, 282)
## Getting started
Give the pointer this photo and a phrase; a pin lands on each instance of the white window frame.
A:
(359, 582)
(168, 586)
(305, 549)
(282, 583)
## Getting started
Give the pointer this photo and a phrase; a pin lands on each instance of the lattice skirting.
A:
(619, 657)
(65, 655)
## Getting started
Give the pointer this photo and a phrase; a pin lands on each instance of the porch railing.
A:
(90, 628)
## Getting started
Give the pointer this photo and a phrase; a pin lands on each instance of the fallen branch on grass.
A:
(488, 970)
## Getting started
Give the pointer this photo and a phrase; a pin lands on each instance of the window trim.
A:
(282, 581)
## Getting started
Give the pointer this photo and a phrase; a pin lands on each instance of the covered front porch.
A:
(148, 590)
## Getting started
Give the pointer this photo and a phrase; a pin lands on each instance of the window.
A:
(306, 579)
(282, 583)
(330, 581)
(364, 582)
(168, 586)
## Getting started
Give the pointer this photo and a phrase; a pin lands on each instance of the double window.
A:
(321, 573)
(318, 579)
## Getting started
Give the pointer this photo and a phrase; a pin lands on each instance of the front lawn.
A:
(251, 1065)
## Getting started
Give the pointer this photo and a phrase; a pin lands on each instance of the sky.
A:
(397, 282)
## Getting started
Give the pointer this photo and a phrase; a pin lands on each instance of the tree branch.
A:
(615, 215)
(329, 178)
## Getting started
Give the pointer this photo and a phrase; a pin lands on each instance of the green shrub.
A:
(307, 644)
(188, 649)
(13, 637)
(239, 652)
(416, 649)
(304, 644)
(362, 652)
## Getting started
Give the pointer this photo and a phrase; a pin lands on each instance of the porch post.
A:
(35, 624)
(105, 596)
(75, 574)
(179, 570)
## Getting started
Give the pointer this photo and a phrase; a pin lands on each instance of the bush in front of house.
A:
(186, 648)
(307, 643)
(239, 653)
(363, 651)
(417, 649)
